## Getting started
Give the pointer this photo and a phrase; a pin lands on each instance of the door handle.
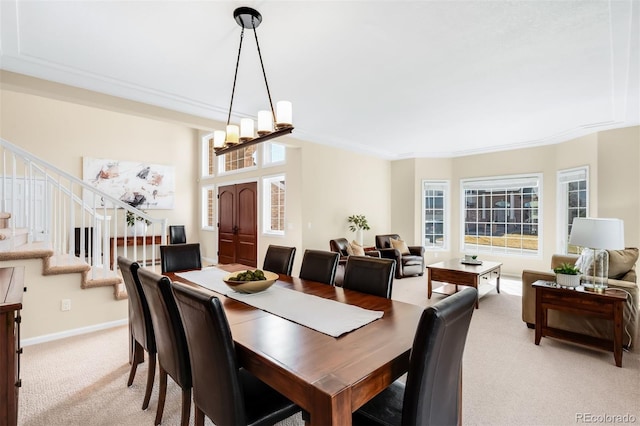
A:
(235, 229)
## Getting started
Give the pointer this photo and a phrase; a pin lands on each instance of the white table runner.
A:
(324, 315)
(210, 278)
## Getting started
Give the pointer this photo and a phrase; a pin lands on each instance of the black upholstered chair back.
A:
(216, 387)
(382, 241)
(224, 392)
(171, 342)
(140, 325)
(370, 275)
(180, 257)
(279, 259)
(139, 315)
(432, 393)
(177, 234)
(319, 265)
(339, 245)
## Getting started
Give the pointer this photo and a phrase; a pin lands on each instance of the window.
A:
(208, 155)
(501, 215)
(239, 159)
(208, 207)
(573, 201)
(273, 204)
(435, 213)
(273, 153)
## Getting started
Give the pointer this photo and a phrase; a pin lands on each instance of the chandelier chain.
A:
(264, 74)
(235, 76)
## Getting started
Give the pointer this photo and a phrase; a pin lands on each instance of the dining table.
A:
(328, 377)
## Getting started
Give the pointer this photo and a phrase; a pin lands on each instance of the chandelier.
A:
(270, 124)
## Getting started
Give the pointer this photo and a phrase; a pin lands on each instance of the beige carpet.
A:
(507, 379)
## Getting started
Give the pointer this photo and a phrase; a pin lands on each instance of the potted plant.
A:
(136, 224)
(567, 275)
(358, 224)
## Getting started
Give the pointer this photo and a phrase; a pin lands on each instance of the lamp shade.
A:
(597, 233)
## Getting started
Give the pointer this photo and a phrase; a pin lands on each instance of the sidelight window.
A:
(273, 214)
(573, 201)
(435, 209)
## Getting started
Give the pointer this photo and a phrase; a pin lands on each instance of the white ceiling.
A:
(395, 79)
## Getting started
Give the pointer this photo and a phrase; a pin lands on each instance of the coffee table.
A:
(455, 272)
(579, 301)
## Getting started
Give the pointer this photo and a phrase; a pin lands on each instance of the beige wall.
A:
(339, 183)
(619, 179)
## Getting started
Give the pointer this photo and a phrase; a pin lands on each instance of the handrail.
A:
(58, 216)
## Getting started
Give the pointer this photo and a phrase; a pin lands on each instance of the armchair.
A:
(622, 275)
(343, 247)
(408, 263)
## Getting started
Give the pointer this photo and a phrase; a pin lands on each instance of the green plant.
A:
(131, 218)
(358, 221)
(567, 269)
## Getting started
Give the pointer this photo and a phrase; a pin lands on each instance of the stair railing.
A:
(55, 208)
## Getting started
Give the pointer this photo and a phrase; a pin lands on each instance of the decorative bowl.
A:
(250, 286)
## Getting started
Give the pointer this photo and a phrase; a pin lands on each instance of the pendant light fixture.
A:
(271, 124)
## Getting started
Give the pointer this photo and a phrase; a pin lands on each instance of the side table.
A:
(578, 301)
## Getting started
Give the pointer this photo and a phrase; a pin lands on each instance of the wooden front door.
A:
(238, 224)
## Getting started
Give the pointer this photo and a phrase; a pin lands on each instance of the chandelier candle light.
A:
(270, 124)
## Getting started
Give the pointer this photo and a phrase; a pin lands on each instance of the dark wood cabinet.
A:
(11, 289)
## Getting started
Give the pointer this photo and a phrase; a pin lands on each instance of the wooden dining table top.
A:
(328, 377)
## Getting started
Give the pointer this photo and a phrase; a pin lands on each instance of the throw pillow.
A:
(400, 245)
(621, 261)
(356, 248)
(349, 250)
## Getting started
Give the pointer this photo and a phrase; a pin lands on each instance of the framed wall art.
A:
(140, 184)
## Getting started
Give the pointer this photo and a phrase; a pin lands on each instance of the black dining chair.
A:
(177, 234)
(432, 392)
(222, 390)
(180, 257)
(279, 259)
(141, 337)
(370, 275)
(320, 266)
(173, 353)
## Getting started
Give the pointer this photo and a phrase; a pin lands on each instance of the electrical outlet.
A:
(65, 305)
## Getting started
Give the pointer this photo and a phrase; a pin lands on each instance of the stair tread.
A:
(28, 251)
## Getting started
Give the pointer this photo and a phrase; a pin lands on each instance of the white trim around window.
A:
(273, 204)
(502, 215)
(435, 214)
(209, 200)
(572, 189)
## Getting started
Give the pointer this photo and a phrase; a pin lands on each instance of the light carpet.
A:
(507, 380)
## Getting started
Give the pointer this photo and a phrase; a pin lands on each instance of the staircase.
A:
(43, 211)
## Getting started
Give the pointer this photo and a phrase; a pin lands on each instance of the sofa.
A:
(622, 275)
(409, 262)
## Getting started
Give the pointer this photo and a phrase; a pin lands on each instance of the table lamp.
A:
(596, 236)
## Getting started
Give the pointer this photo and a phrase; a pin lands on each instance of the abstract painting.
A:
(142, 185)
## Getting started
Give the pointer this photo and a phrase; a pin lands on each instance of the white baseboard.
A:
(74, 332)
